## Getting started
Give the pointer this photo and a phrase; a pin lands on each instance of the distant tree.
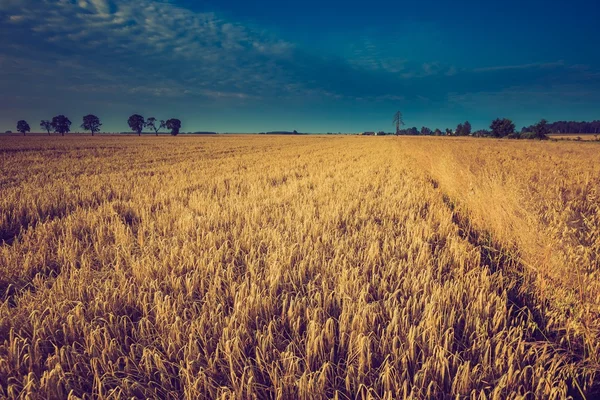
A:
(448, 132)
(174, 125)
(541, 130)
(46, 125)
(61, 124)
(398, 121)
(295, 132)
(136, 123)
(413, 131)
(425, 131)
(7, 131)
(466, 128)
(463, 129)
(437, 132)
(502, 127)
(23, 126)
(482, 133)
(459, 130)
(151, 123)
(91, 123)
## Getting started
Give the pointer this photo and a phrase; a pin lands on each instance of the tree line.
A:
(61, 124)
(499, 128)
(570, 127)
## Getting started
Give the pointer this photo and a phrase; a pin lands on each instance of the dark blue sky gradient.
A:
(318, 66)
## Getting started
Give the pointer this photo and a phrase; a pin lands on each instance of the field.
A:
(573, 136)
(298, 267)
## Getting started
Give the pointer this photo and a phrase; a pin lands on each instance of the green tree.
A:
(459, 130)
(91, 123)
(136, 123)
(541, 130)
(61, 124)
(23, 126)
(466, 128)
(425, 131)
(174, 125)
(502, 127)
(46, 125)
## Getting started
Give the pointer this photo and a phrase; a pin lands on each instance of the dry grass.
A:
(297, 267)
(574, 136)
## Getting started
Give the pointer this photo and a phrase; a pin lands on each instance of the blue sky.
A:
(313, 66)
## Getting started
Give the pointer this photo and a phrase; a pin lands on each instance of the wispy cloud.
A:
(521, 66)
(146, 40)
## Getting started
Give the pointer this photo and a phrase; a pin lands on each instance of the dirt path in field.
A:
(521, 279)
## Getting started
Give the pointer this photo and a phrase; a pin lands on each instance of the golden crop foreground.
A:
(298, 267)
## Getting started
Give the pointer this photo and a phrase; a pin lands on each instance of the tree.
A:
(459, 130)
(448, 132)
(541, 130)
(23, 126)
(91, 123)
(466, 128)
(437, 132)
(136, 123)
(502, 127)
(413, 131)
(425, 131)
(61, 124)
(463, 129)
(46, 125)
(398, 121)
(151, 123)
(174, 125)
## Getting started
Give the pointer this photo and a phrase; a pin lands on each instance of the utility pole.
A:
(398, 121)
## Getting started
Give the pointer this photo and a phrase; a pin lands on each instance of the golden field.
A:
(574, 136)
(298, 267)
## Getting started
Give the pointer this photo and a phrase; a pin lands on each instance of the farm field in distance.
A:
(298, 267)
(574, 136)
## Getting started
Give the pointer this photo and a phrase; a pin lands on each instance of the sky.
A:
(313, 66)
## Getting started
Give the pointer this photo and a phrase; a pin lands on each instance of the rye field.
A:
(310, 267)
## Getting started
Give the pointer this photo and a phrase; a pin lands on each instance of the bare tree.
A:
(151, 123)
(46, 125)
